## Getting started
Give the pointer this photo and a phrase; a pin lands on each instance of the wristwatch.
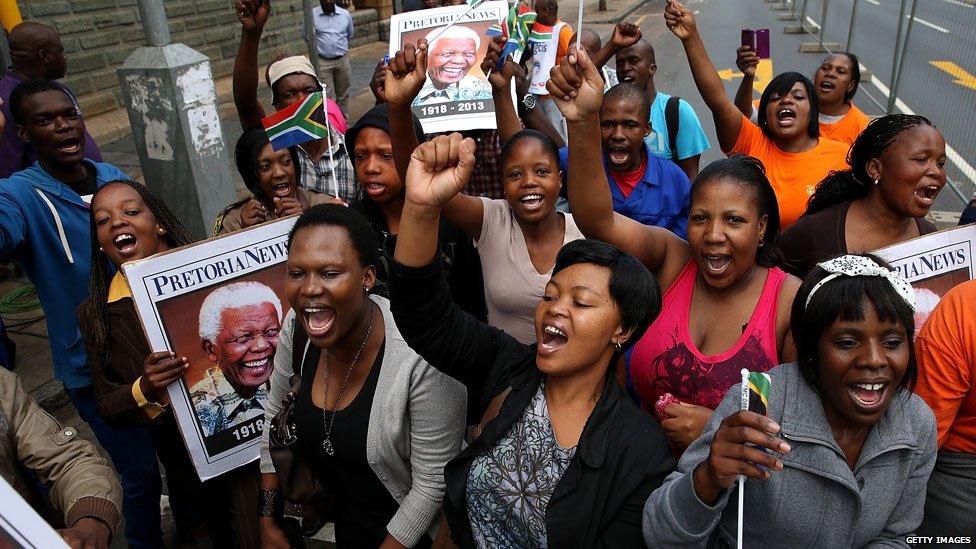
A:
(529, 101)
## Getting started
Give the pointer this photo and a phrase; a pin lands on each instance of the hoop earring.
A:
(617, 346)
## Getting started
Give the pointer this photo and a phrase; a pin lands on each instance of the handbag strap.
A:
(300, 340)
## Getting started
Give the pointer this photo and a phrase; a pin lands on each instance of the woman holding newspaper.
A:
(130, 222)
(844, 455)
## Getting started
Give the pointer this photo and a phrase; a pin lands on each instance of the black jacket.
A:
(622, 455)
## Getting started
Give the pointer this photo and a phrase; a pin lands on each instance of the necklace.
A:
(328, 422)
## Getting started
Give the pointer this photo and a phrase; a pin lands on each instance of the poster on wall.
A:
(934, 264)
(457, 94)
(220, 304)
(21, 527)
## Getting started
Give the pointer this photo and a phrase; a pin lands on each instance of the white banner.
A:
(456, 95)
(220, 304)
(933, 264)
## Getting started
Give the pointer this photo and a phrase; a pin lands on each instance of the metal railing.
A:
(926, 49)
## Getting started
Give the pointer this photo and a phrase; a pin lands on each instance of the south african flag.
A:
(297, 123)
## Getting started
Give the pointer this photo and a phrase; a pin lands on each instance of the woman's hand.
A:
(730, 456)
(159, 370)
(499, 79)
(576, 86)
(287, 206)
(439, 169)
(685, 423)
(253, 213)
(406, 74)
(746, 61)
(272, 536)
(253, 14)
(680, 20)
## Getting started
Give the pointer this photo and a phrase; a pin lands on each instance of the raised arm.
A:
(746, 60)
(728, 119)
(432, 324)
(624, 35)
(406, 74)
(253, 14)
(506, 115)
(577, 89)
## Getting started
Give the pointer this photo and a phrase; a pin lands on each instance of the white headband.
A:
(858, 265)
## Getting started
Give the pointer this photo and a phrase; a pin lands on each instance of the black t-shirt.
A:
(86, 186)
(363, 504)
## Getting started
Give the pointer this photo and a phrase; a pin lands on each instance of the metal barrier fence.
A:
(917, 56)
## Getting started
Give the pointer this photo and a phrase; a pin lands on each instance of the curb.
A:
(622, 14)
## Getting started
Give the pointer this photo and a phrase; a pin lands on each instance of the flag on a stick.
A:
(297, 123)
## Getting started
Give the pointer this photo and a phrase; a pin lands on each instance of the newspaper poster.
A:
(220, 304)
(457, 94)
(934, 264)
(21, 527)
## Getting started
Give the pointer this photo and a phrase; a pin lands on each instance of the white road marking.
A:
(966, 168)
(875, 2)
(943, 30)
(955, 2)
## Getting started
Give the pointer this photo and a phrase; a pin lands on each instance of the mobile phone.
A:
(762, 43)
(749, 38)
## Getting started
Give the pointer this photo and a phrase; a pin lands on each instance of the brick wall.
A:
(99, 34)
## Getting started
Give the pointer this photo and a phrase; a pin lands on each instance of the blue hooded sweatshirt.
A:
(45, 229)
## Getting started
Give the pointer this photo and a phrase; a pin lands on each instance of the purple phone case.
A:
(749, 38)
(762, 43)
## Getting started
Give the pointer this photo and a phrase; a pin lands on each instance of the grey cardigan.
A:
(416, 425)
(816, 500)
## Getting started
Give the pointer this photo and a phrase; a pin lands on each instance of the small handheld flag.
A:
(755, 398)
(494, 30)
(297, 123)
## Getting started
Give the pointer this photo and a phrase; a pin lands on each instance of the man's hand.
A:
(625, 35)
(680, 20)
(406, 74)
(287, 206)
(500, 80)
(685, 422)
(87, 533)
(253, 14)
(576, 86)
(746, 61)
(376, 84)
(159, 370)
(253, 213)
(439, 169)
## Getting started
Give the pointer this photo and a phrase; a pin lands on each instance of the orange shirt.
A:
(794, 176)
(846, 129)
(946, 354)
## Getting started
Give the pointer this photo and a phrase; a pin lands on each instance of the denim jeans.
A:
(134, 457)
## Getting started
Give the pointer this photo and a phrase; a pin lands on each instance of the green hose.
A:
(21, 300)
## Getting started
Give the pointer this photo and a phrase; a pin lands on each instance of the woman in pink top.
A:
(723, 281)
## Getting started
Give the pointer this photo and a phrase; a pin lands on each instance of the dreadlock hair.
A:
(27, 89)
(781, 85)
(749, 172)
(246, 153)
(92, 311)
(855, 183)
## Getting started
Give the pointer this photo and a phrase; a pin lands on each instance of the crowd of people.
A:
(503, 338)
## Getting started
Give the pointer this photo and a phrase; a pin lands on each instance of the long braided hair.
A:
(92, 310)
(855, 183)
